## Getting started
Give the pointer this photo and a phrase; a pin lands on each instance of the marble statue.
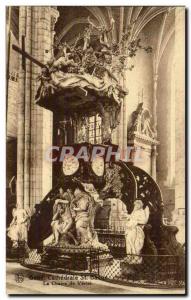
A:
(134, 234)
(141, 123)
(147, 127)
(18, 227)
(81, 207)
(62, 219)
(136, 122)
(73, 218)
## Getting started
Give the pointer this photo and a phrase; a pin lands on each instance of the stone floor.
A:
(21, 280)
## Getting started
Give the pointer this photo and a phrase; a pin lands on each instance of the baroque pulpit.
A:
(83, 85)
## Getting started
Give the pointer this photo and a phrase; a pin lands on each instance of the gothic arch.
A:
(123, 17)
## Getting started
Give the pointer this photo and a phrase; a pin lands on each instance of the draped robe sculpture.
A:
(81, 208)
(134, 233)
(62, 220)
(73, 218)
(18, 228)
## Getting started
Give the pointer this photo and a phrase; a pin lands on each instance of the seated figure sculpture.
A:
(62, 220)
(81, 207)
(73, 218)
(134, 233)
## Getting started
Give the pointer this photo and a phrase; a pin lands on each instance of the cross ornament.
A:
(26, 55)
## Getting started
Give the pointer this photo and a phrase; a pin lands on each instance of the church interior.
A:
(150, 118)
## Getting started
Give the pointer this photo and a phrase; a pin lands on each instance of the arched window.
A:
(94, 130)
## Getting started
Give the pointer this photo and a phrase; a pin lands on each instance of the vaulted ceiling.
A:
(157, 22)
(73, 19)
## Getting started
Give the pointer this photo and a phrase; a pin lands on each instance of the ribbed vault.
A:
(73, 20)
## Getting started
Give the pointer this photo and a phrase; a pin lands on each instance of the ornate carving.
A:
(82, 129)
(73, 218)
(113, 180)
(119, 183)
(87, 72)
(92, 62)
(120, 180)
(110, 119)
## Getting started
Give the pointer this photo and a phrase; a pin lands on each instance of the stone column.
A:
(21, 115)
(34, 173)
(180, 106)
(155, 84)
(28, 43)
(179, 214)
(153, 161)
(44, 19)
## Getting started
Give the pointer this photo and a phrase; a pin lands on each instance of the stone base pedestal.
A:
(143, 153)
(75, 259)
(70, 261)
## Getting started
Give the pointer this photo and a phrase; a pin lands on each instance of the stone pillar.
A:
(34, 173)
(28, 42)
(153, 161)
(42, 130)
(21, 115)
(114, 136)
(144, 149)
(180, 106)
(155, 84)
(180, 122)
